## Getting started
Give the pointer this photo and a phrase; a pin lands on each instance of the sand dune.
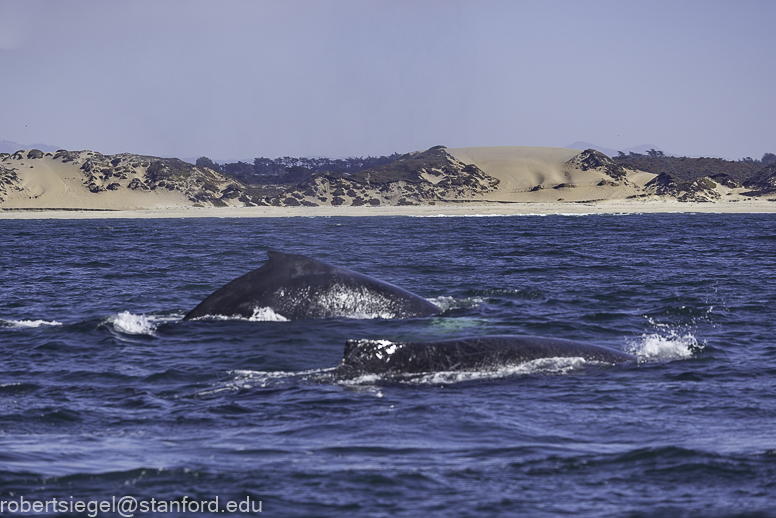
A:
(527, 180)
(519, 168)
(544, 175)
(89, 180)
(49, 183)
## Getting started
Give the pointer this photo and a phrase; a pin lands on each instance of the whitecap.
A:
(26, 324)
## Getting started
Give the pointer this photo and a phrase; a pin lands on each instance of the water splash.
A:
(266, 315)
(127, 323)
(656, 346)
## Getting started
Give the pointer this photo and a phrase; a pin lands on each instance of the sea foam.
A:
(540, 366)
(26, 324)
(266, 315)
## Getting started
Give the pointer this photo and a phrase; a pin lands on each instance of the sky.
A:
(238, 79)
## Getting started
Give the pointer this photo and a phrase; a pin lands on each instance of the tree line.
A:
(768, 158)
(293, 170)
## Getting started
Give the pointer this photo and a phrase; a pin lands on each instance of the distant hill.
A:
(643, 148)
(6, 146)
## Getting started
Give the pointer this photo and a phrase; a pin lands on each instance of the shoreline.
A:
(470, 209)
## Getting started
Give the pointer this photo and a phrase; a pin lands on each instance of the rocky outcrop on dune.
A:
(590, 159)
(763, 182)
(145, 173)
(686, 168)
(34, 174)
(418, 178)
(713, 187)
(697, 190)
(725, 180)
(8, 181)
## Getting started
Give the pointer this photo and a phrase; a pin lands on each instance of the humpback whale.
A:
(470, 353)
(298, 287)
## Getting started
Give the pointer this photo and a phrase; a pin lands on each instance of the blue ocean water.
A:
(105, 393)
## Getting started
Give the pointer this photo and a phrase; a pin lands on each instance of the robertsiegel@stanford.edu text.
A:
(128, 506)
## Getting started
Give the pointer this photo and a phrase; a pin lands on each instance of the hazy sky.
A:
(233, 79)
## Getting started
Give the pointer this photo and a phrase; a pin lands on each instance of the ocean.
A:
(111, 405)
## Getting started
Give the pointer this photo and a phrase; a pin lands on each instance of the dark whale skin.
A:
(470, 353)
(297, 287)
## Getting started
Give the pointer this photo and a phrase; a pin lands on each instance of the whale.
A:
(392, 358)
(297, 287)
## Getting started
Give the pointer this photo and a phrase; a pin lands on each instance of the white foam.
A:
(130, 324)
(249, 379)
(361, 315)
(664, 347)
(555, 366)
(266, 315)
(546, 366)
(24, 324)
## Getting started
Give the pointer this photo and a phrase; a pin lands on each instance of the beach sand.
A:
(473, 209)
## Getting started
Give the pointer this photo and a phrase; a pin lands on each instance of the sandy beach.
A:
(461, 210)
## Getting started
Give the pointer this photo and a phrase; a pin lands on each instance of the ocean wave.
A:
(27, 324)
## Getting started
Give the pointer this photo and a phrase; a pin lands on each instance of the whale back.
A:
(298, 287)
(471, 353)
